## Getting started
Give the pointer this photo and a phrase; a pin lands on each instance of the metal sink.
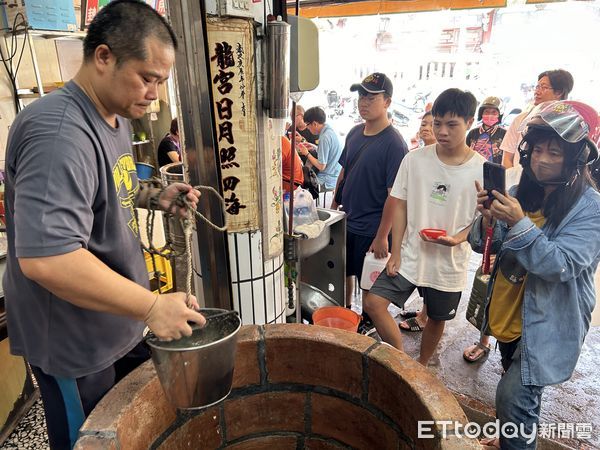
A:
(312, 299)
(308, 247)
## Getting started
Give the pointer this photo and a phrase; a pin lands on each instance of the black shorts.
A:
(440, 305)
(357, 247)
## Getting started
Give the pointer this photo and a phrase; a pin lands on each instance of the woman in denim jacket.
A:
(546, 234)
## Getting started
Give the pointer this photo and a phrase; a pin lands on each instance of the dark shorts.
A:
(357, 247)
(440, 305)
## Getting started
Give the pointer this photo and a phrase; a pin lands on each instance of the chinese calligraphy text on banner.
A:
(270, 174)
(231, 54)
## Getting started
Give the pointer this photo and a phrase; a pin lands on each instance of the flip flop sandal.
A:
(412, 324)
(482, 355)
(490, 444)
(408, 314)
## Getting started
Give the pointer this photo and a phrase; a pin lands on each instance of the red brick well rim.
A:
(275, 358)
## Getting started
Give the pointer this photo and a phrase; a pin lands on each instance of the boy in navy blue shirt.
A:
(370, 160)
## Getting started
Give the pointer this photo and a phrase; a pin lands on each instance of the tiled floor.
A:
(31, 432)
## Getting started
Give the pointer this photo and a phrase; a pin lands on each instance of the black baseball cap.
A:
(376, 83)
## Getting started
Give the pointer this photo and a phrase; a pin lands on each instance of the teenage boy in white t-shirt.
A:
(434, 188)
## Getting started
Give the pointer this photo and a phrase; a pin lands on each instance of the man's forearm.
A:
(462, 235)
(507, 159)
(387, 217)
(398, 226)
(83, 280)
(315, 162)
(337, 184)
(147, 191)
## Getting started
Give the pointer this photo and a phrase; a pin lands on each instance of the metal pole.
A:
(292, 170)
(280, 9)
(36, 69)
(196, 119)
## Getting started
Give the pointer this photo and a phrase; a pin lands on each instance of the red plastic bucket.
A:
(336, 317)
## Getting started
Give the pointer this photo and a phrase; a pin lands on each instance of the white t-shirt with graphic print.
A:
(437, 196)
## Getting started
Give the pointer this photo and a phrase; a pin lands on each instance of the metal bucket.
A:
(197, 371)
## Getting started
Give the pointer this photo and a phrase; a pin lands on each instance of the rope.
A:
(198, 214)
(188, 228)
(187, 232)
(187, 224)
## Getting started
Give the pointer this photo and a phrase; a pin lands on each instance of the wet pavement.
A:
(575, 403)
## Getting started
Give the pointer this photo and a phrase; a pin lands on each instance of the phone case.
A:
(494, 178)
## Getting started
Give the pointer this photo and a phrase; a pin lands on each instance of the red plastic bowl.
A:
(433, 233)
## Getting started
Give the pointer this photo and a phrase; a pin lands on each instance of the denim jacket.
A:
(559, 293)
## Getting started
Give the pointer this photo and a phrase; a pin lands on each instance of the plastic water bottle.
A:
(286, 203)
(303, 204)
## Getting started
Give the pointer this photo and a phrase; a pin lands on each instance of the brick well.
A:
(294, 386)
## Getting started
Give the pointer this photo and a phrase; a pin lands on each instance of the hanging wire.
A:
(7, 60)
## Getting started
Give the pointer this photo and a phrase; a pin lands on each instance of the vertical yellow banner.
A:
(231, 50)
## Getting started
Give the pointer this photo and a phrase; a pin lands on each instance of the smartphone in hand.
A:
(494, 179)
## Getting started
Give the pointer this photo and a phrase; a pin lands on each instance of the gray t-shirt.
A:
(70, 184)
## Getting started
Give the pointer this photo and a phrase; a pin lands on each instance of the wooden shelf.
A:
(47, 34)
(147, 141)
(29, 95)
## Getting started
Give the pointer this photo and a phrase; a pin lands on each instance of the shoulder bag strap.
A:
(361, 151)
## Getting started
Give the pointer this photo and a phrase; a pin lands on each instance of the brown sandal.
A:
(485, 351)
(490, 443)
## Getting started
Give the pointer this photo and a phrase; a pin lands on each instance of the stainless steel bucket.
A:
(197, 371)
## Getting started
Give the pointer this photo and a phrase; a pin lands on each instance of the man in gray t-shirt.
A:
(76, 284)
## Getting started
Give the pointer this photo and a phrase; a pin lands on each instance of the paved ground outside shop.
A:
(565, 408)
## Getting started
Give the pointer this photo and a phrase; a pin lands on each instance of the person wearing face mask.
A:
(486, 138)
(546, 237)
(552, 85)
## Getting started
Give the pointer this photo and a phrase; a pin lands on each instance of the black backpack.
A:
(311, 182)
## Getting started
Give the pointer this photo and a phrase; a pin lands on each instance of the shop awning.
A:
(325, 8)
